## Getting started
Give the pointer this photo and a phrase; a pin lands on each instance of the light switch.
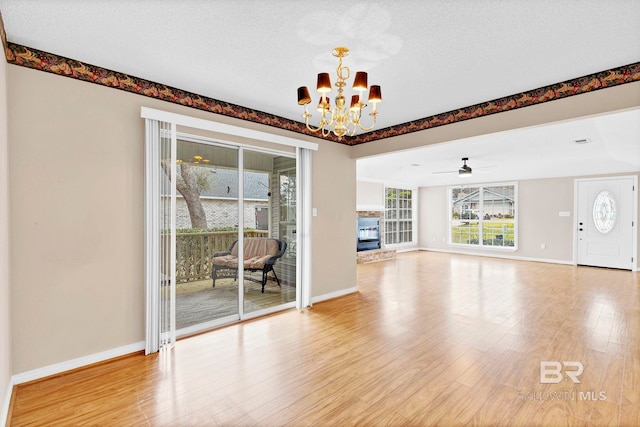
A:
(314, 211)
(564, 213)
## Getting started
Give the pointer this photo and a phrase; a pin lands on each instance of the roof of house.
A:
(490, 194)
(224, 183)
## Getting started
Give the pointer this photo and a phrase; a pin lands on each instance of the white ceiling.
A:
(429, 56)
(537, 152)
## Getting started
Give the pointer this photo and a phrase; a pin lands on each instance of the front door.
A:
(605, 219)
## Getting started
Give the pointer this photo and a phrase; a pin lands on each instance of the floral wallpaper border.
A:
(48, 62)
(604, 79)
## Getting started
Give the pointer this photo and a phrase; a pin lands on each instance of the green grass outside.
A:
(468, 233)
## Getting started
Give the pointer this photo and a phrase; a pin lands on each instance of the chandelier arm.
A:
(306, 121)
(373, 123)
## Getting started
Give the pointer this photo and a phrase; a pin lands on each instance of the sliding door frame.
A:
(303, 154)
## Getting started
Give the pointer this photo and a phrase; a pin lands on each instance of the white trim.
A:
(493, 255)
(226, 199)
(484, 247)
(370, 208)
(335, 294)
(217, 142)
(151, 244)
(411, 248)
(7, 401)
(193, 122)
(68, 365)
(269, 310)
(240, 244)
(304, 198)
(173, 238)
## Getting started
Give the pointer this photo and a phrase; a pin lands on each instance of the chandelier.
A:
(341, 119)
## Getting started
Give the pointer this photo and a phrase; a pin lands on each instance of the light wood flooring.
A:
(429, 339)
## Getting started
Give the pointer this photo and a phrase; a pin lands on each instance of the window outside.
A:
(398, 224)
(483, 216)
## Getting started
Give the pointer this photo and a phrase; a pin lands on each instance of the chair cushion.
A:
(226, 260)
(256, 262)
(257, 247)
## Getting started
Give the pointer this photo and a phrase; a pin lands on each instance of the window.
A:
(484, 216)
(398, 223)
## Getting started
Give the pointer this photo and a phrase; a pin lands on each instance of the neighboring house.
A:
(220, 199)
(498, 202)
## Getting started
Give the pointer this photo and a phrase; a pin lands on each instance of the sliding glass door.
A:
(223, 222)
(271, 283)
(211, 288)
(207, 217)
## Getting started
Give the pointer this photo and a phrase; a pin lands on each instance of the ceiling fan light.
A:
(464, 172)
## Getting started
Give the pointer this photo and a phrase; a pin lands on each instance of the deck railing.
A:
(194, 251)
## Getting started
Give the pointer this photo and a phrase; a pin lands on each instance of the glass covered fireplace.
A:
(368, 235)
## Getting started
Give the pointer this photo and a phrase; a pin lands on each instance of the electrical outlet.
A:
(543, 246)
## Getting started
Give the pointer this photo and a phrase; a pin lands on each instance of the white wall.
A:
(369, 196)
(5, 330)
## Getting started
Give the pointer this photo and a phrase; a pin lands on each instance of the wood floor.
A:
(429, 339)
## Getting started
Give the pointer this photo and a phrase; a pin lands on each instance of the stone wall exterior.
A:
(220, 213)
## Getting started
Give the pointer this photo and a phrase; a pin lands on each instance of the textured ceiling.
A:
(429, 57)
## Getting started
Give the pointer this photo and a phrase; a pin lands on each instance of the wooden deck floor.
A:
(429, 339)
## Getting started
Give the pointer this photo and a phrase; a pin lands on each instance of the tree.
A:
(190, 181)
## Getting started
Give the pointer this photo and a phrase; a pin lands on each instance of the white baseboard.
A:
(7, 402)
(335, 294)
(68, 365)
(494, 255)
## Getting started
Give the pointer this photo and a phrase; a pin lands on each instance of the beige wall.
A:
(5, 331)
(334, 229)
(369, 195)
(539, 204)
(76, 259)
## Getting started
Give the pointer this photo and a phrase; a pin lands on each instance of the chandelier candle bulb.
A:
(324, 104)
(355, 103)
(375, 96)
(340, 120)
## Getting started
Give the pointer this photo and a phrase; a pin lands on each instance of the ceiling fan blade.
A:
(444, 172)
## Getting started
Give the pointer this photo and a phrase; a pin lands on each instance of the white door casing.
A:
(606, 221)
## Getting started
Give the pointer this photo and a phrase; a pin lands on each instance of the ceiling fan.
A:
(465, 170)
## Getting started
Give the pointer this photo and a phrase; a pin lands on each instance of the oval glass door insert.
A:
(604, 212)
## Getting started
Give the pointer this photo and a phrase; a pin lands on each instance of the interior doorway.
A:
(606, 217)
